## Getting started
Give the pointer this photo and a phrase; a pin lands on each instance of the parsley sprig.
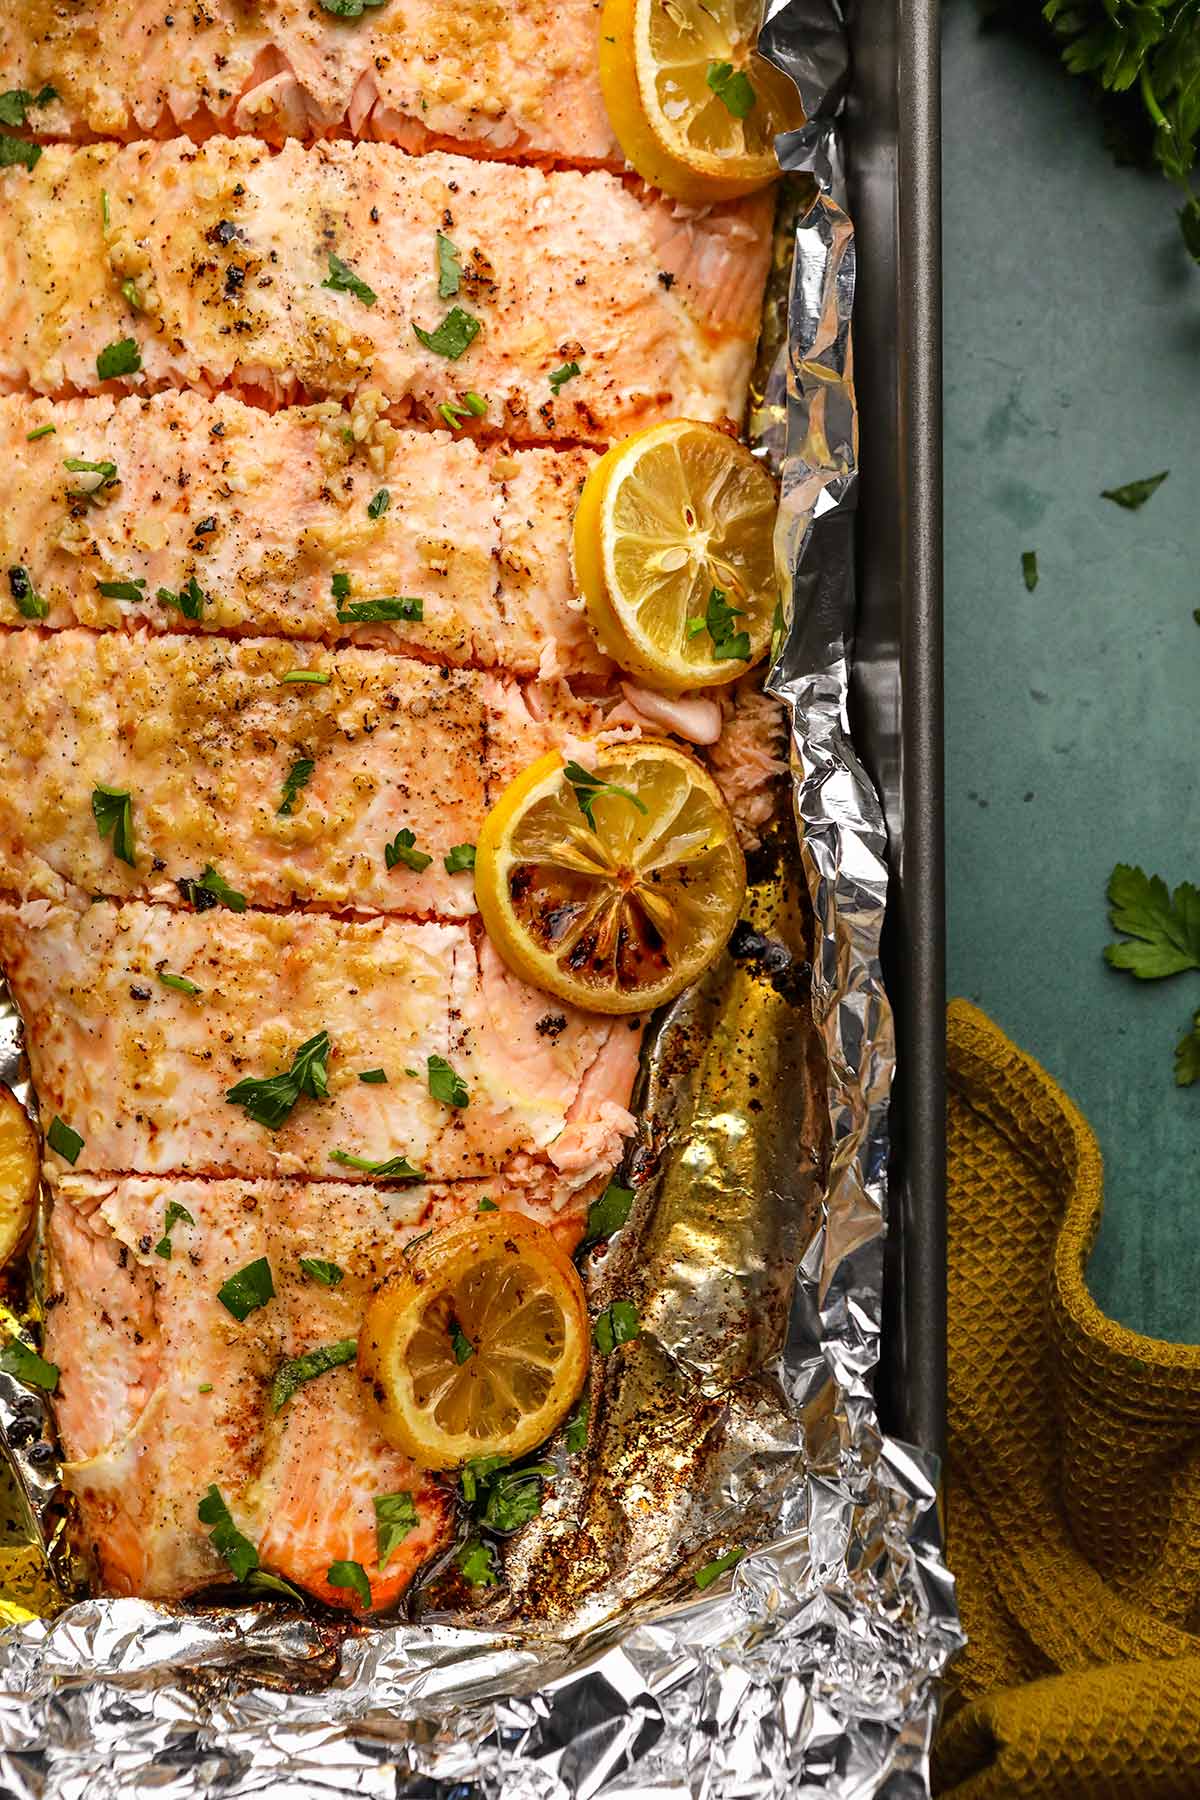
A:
(269, 1101)
(718, 622)
(112, 809)
(1162, 938)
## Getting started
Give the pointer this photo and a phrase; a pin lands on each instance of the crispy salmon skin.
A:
(310, 273)
(511, 78)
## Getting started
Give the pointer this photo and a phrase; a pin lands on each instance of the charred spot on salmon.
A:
(551, 1025)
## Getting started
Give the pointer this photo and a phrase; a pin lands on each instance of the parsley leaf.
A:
(180, 983)
(617, 1324)
(588, 786)
(18, 1360)
(121, 358)
(461, 1344)
(112, 809)
(15, 103)
(297, 777)
(211, 889)
(60, 1137)
(577, 1428)
(401, 850)
(477, 1561)
(718, 622)
(732, 88)
(348, 9)
(225, 1538)
(444, 1084)
(1187, 1055)
(391, 1168)
(1029, 568)
(248, 1290)
(377, 506)
(486, 1205)
(607, 1214)
(29, 603)
(1164, 927)
(350, 1575)
(269, 1100)
(560, 377)
(374, 1077)
(395, 1516)
(713, 1571)
(105, 471)
(18, 152)
(1134, 493)
(293, 1373)
(456, 333)
(318, 1269)
(343, 280)
(459, 857)
(190, 600)
(176, 1214)
(123, 590)
(449, 272)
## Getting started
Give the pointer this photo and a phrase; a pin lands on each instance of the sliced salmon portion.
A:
(308, 273)
(141, 1070)
(148, 1428)
(504, 77)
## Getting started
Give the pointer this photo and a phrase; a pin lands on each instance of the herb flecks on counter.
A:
(269, 1101)
(1029, 569)
(1162, 939)
(1135, 494)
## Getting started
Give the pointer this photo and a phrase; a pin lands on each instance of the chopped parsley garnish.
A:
(588, 786)
(374, 1077)
(607, 1214)
(206, 1387)
(297, 777)
(1162, 938)
(270, 1100)
(121, 358)
(112, 809)
(560, 377)
(402, 850)
(477, 1562)
(515, 1496)
(577, 1428)
(15, 103)
(477, 1471)
(732, 88)
(617, 1324)
(350, 1575)
(475, 403)
(293, 1373)
(180, 983)
(1029, 569)
(129, 294)
(449, 272)
(486, 1205)
(456, 333)
(713, 1571)
(319, 1269)
(248, 1290)
(79, 465)
(451, 414)
(362, 612)
(459, 857)
(190, 600)
(31, 437)
(60, 1137)
(343, 280)
(392, 1168)
(18, 152)
(123, 590)
(395, 1516)
(225, 1538)
(211, 889)
(377, 506)
(461, 1344)
(306, 678)
(349, 9)
(176, 1215)
(17, 1359)
(718, 622)
(444, 1084)
(29, 602)
(1135, 493)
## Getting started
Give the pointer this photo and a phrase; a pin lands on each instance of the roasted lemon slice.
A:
(610, 887)
(694, 108)
(18, 1173)
(674, 554)
(477, 1345)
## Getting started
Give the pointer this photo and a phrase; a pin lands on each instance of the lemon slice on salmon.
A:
(694, 107)
(674, 554)
(18, 1173)
(477, 1345)
(610, 887)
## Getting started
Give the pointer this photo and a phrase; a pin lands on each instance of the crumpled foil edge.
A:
(812, 1670)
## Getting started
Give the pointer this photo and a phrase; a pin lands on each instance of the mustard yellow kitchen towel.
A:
(1073, 1474)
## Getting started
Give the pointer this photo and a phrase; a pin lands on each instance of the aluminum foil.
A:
(741, 1418)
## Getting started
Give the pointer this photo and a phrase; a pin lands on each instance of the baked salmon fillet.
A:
(311, 273)
(261, 510)
(512, 78)
(164, 1391)
(142, 1067)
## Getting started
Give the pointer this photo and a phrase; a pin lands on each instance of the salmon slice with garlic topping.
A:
(141, 1019)
(583, 308)
(195, 515)
(502, 77)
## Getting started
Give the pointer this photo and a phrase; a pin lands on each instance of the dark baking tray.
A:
(893, 174)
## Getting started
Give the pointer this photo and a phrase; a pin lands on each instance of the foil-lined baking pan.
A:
(743, 1417)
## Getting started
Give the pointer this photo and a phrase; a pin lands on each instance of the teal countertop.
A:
(1072, 342)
